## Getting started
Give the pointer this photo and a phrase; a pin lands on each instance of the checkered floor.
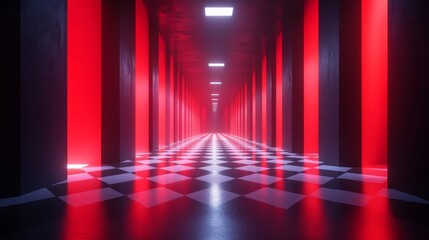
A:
(216, 168)
(217, 186)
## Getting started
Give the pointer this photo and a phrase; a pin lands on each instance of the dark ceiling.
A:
(196, 40)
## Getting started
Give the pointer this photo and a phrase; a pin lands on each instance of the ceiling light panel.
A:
(216, 64)
(219, 11)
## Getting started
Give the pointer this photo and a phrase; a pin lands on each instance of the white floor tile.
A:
(168, 178)
(277, 198)
(310, 178)
(213, 196)
(261, 178)
(341, 196)
(125, 177)
(155, 196)
(89, 197)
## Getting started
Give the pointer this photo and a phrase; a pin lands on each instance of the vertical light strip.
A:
(311, 76)
(374, 82)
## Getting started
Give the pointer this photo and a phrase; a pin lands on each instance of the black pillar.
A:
(408, 112)
(110, 83)
(34, 108)
(153, 84)
(340, 82)
(293, 76)
(127, 79)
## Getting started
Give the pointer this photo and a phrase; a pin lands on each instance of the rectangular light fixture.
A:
(215, 83)
(214, 99)
(219, 11)
(215, 94)
(216, 64)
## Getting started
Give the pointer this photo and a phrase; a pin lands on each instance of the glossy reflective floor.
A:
(217, 186)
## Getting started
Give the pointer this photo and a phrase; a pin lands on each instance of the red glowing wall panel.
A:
(84, 81)
(311, 76)
(253, 106)
(264, 99)
(161, 93)
(171, 104)
(142, 78)
(279, 93)
(246, 119)
(374, 82)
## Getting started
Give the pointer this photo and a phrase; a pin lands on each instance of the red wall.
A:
(279, 93)
(311, 76)
(142, 78)
(374, 82)
(84, 81)
(161, 93)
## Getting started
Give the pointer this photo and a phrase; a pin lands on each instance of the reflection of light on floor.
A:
(76, 166)
(215, 195)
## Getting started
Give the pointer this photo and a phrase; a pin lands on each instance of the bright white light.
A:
(216, 64)
(215, 94)
(76, 166)
(215, 99)
(219, 11)
(215, 83)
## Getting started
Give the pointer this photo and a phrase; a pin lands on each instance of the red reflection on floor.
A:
(85, 222)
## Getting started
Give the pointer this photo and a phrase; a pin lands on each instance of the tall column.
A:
(153, 84)
(408, 115)
(340, 82)
(293, 108)
(34, 104)
(127, 79)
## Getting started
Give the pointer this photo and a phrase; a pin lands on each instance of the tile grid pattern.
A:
(217, 168)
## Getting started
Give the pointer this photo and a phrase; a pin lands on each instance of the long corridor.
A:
(218, 186)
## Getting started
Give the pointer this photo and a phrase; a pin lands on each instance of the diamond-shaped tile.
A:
(252, 168)
(184, 161)
(363, 177)
(136, 168)
(261, 178)
(278, 198)
(177, 168)
(214, 178)
(341, 196)
(311, 178)
(213, 196)
(214, 168)
(125, 177)
(246, 161)
(292, 168)
(154, 196)
(89, 197)
(168, 178)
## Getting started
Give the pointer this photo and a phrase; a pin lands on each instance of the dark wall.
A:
(293, 76)
(258, 101)
(43, 93)
(35, 112)
(408, 118)
(127, 79)
(10, 179)
(153, 85)
(329, 81)
(350, 88)
(340, 82)
(110, 82)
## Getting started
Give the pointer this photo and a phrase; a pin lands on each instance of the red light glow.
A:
(84, 82)
(311, 76)
(374, 82)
